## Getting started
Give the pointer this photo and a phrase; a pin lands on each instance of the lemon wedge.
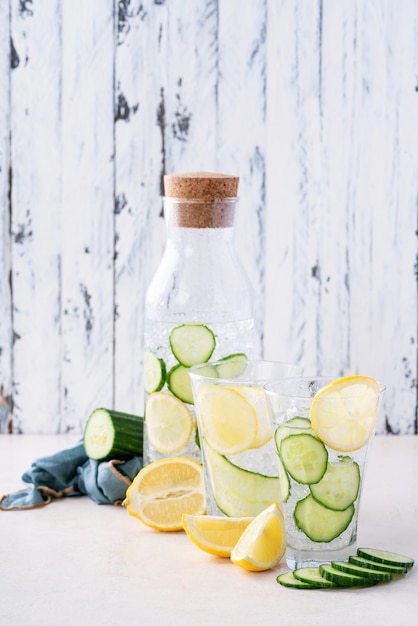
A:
(228, 421)
(262, 544)
(344, 413)
(168, 421)
(164, 490)
(216, 535)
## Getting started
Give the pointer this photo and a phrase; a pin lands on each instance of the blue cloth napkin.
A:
(71, 473)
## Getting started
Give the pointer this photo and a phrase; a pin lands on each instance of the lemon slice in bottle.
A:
(168, 421)
(344, 413)
(228, 421)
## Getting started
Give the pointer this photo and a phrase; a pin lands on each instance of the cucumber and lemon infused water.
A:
(322, 432)
(171, 427)
(199, 306)
(236, 434)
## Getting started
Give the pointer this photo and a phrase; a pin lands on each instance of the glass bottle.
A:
(198, 307)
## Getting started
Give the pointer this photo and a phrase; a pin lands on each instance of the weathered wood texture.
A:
(313, 104)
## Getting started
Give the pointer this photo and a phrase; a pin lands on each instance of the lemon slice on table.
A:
(216, 535)
(262, 544)
(229, 422)
(168, 421)
(164, 490)
(257, 398)
(344, 413)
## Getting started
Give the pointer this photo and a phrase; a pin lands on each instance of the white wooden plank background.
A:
(313, 103)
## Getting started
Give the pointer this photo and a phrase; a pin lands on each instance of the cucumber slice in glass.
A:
(304, 457)
(383, 556)
(192, 344)
(178, 382)
(339, 486)
(154, 372)
(319, 523)
(237, 491)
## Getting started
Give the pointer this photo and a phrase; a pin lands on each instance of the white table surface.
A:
(74, 562)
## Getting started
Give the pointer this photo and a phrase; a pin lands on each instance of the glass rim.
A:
(270, 386)
(194, 370)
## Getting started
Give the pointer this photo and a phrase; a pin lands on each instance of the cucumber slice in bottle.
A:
(319, 523)
(382, 567)
(111, 434)
(232, 366)
(342, 579)
(192, 344)
(305, 458)
(178, 382)
(237, 491)
(339, 486)
(385, 557)
(365, 572)
(312, 576)
(289, 580)
(154, 372)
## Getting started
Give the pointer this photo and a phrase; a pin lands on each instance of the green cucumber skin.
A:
(127, 440)
(385, 557)
(312, 576)
(358, 570)
(177, 386)
(176, 346)
(392, 569)
(339, 486)
(296, 453)
(245, 493)
(308, 509)
(289, 580)
(344, 580)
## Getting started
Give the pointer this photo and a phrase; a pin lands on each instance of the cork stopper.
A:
(201, 199)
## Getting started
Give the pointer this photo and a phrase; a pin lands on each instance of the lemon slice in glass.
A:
(228, 421)
(168, 421)
(257, 398)
(213, 534)
(344, 413)
(164, 490)
(262, 544)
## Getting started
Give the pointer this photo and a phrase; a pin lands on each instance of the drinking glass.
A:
(322, 442)
(236, 433)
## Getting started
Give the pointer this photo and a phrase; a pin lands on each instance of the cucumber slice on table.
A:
(365, 572)
(312, 576)
(339, 486)
(178, 382)
(237, 491)
(289, 580)
(192, 343)
(111, 434)
(342, 579)
(154, 372)
(319, 523)
(383, 567)
(385, 557)
(304, 457)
